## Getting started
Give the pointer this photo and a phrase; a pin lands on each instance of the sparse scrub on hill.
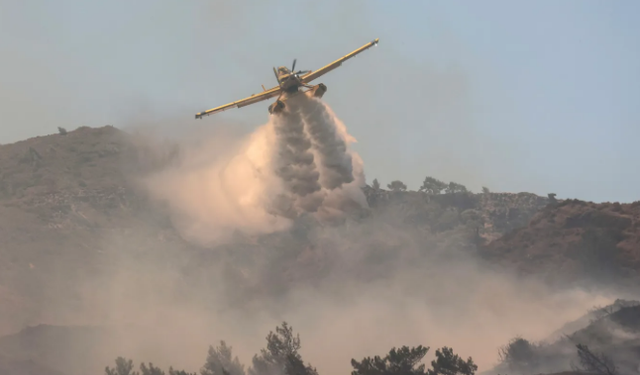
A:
(601, 312)
(375, 184)
(432, 185)
(599, 252)
(455, 187)
(397, 185)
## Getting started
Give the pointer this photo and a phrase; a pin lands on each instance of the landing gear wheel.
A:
(276, 107)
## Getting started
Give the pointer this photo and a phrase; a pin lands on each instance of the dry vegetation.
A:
(576, 241)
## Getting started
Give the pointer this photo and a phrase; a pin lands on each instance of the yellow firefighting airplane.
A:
(289, 83)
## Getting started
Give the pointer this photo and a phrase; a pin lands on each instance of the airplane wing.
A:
(326, 69)
(275, 91)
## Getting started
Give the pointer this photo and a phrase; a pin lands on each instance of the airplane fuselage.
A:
(288, 81)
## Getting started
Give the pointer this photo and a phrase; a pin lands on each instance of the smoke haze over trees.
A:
(178, 245)
(282, 357)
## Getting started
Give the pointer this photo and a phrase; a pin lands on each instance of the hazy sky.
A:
(537, 96)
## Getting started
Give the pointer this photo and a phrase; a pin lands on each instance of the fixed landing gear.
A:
(276, 107)
(316, 91)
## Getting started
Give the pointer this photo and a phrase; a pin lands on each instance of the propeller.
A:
(293, 68)
(293, 72)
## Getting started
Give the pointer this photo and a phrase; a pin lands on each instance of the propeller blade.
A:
(276, 74)
(293, 68)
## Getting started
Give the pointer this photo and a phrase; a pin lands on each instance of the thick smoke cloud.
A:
(331, 147)
(426, 289)
(295, 163)
(350, 290)
(313, 160)
(360, 291)
(298, 163)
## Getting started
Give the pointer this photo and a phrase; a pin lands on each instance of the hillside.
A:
(491, 214)
(614, 332)
(82, 243)
(66, 198)
(575, 240)
(64, 201)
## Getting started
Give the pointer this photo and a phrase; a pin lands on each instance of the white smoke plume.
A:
(331, 147)
(297, 163)
(350, 291)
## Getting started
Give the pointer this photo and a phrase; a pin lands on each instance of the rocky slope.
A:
(72, 216)
(490, 214)
(575, 240)
(65, 201)
(68, 199)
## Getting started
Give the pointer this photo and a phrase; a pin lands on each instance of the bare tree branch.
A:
(595, 363)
